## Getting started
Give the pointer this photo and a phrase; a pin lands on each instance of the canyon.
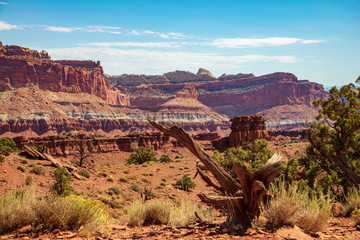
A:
(44, 97)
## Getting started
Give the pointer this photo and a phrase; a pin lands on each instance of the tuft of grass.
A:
(135, 188)
(352, 201)
(295, 206)
(84, 173)
(110, 179)
(22, 207)
(124, 179)
(156, 212)
(16, 209)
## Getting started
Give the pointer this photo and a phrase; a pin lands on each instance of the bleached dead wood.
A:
(242, 200)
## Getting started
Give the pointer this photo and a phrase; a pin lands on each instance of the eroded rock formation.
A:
(23, 67)
(244, 131)
(68, 145)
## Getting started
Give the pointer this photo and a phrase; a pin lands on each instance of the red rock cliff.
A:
(22, 67)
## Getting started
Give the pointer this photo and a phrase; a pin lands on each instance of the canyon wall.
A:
(68, 145)
(22, 67)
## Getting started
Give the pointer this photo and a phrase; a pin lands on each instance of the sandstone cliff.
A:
(22, 67)
(241, 95)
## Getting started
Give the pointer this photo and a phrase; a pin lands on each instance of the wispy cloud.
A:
(3, 3)
(136, 44)
(104, 29)
(115, 60)
(258, 42)
(7, 26)
(168, 35)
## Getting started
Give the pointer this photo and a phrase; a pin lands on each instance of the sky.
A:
(316, 40)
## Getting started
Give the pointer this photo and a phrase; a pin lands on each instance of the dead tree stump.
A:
(242, 199)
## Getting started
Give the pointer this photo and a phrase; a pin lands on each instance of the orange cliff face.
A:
(22, 67)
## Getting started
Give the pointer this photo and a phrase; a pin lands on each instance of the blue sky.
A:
(315, 40)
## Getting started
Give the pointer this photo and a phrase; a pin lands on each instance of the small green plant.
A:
(110, 179)
(124, 179)
(84, 173)
(165, 159)
(185, 183)
(171, 166)
(38, 170)
(135, 188)
(68, 134)
(115, 190)
(7, 146)
(141, 155)
(62, 184)
(145, 180)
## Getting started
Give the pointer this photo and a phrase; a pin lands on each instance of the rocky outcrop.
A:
(68, 145)
(175, 77)
(22, 67)
(242, 95)
(244, 131)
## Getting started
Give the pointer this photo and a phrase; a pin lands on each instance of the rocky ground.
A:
(110, 170)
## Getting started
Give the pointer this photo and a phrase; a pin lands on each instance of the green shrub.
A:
(165, 159)
(123, 179)
(135, 188)
(7, 146)
(185, 183)
(115, 190)
(84, 173)
(62, 184)
(141, 155)
(38, 170)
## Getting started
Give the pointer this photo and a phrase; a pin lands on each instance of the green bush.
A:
(141, 155)
(165, 159)
(185, 183)
(7, 146)
(62, 184)
(254, 158)
(84, 173)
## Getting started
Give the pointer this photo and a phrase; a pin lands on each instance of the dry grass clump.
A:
(70, 213)
(21, 207)
(352, 201)
(16, 209)
(293, 206)
(161, 212)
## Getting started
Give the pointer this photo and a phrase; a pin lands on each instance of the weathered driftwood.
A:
(42, 156)
(242, 199)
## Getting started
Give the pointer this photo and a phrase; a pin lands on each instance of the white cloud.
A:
(6, 26)
(104, 29)
(118, 61)
(59, 29)
(257, 42)
(3, 3)
(135, 44)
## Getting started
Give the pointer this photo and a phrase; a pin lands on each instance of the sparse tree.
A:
(83, 154)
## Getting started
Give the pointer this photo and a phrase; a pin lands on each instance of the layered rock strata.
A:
(240, 95)
(244, 131)
(22, 67)
(68, 145)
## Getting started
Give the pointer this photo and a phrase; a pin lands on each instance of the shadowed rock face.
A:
(22, 67)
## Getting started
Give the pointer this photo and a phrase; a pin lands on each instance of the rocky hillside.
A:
(233, 95)
(23, 67)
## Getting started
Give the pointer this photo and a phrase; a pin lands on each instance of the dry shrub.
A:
(293, 206)
(161, 212)
(16, 209)
(70, 213)
(352, 201)
(21, 207)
